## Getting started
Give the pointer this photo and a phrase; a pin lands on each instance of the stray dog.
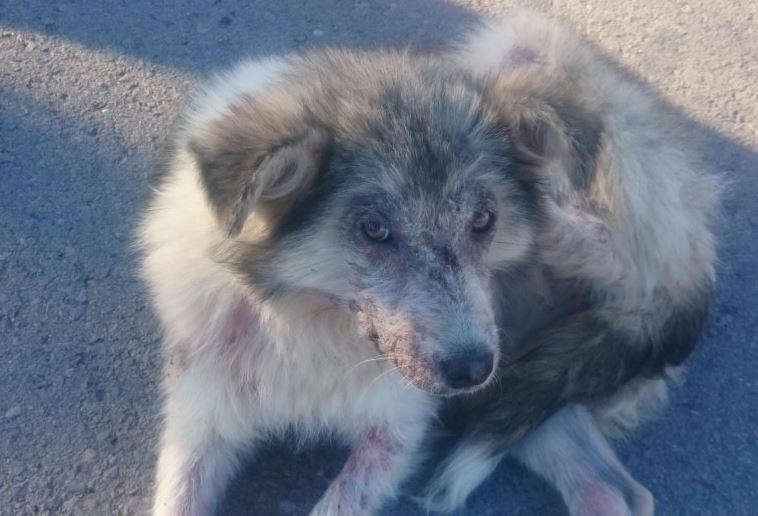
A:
(342, 241)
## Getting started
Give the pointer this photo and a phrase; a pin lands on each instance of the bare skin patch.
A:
(520, 57)
(369, 470)
(398, 338)
(598, 499)
(241, 330)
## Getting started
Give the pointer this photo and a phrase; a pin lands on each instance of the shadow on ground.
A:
(201, 36)
(79, 345)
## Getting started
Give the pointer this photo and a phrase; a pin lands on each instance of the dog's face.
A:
(397, 204)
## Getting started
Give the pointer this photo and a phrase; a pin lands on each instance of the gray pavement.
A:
(88, 90)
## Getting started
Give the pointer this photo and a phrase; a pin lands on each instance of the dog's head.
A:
(394, 187)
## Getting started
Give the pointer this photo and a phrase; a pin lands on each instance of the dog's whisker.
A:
(379, 377)
(508, 362)
(377, 358)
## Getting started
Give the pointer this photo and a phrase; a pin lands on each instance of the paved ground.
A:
(87, 91)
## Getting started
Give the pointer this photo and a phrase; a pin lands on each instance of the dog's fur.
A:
(560, 231)
(625, 272)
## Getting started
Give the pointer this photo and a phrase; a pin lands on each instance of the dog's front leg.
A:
(570, 452)
(202, 441)
(379, 461)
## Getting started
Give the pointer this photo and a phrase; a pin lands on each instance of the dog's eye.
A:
(482, 221)
(376, 231)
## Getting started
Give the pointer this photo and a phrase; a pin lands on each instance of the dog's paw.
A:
(600, 499)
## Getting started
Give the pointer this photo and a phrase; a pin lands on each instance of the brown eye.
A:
(376, 231)
(482, 221)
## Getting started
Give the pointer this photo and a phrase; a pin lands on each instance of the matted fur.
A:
(522, 186)
(626, 272)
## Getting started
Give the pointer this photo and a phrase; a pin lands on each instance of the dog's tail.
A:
(472, 460)
(519, 39)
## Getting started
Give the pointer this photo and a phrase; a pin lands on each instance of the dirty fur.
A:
(342, 242)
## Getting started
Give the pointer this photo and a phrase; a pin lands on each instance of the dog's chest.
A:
(313, 374)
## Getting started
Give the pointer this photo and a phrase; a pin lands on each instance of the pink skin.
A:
(588, 494)
(242, 324)
(398, 338)
(378, 462)
(197, 472)
(598, 499)
(240, 331)
(370, 473)
(520, 57)
(405, 340)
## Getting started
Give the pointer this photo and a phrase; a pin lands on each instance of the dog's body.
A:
(617, 298)
(338, 239)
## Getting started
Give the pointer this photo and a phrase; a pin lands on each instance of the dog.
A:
(346, 242)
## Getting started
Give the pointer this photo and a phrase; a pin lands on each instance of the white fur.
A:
(463, 470)
(298, 370)
(213, 100)
(569, 452)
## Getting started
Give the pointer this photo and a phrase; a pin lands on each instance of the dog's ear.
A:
(248, 165)
(544, 124)
(537, 135)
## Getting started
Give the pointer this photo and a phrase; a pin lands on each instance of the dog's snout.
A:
(468, 368)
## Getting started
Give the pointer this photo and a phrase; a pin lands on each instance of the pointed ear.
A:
(547, 125)
(246, 167)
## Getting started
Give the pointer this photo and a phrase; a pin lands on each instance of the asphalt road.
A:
(88, 90)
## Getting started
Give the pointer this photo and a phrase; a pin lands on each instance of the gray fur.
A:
(625, 264)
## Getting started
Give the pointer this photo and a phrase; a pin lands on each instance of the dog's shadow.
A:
(205, 36)
(281, 481)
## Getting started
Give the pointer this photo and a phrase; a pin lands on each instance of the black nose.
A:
(467, 368)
